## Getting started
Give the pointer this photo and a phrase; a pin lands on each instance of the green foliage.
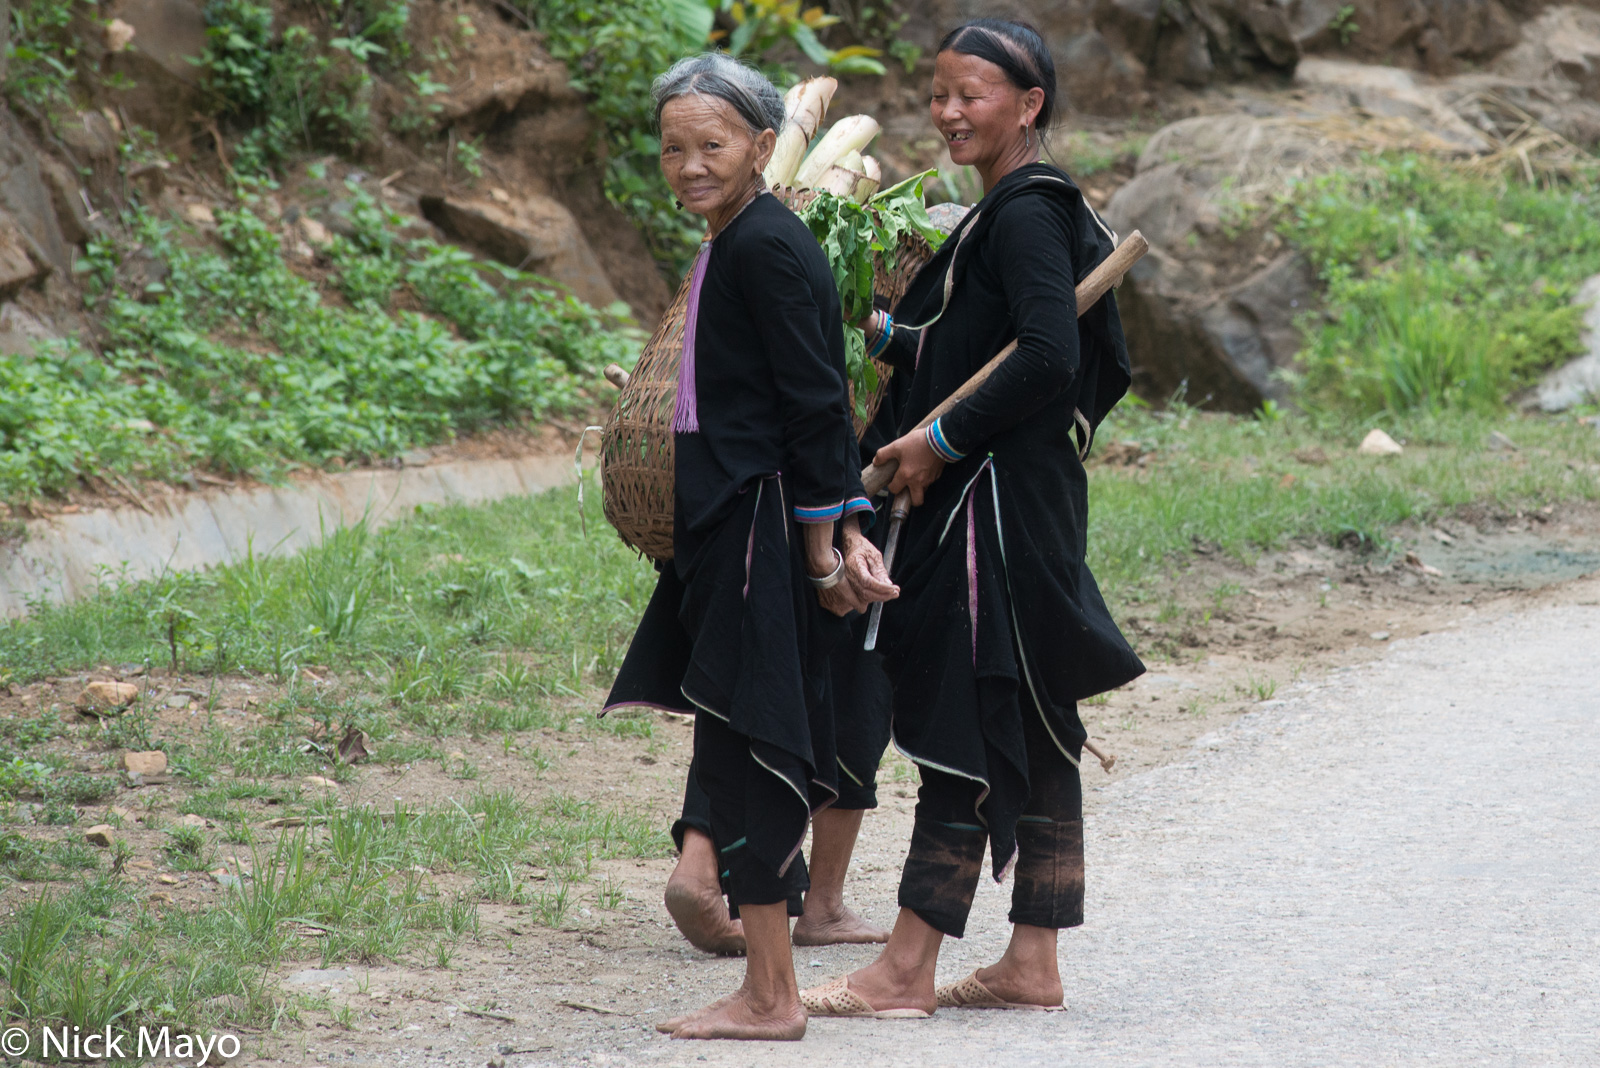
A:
(613, 50)
(293, 89)
(856, 238)
(1444, 289)
(761, 25)
(234, 361)
(43, 49)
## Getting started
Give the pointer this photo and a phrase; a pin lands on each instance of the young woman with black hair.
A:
(1000, 628)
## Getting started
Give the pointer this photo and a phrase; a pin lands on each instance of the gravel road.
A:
(1398, 864)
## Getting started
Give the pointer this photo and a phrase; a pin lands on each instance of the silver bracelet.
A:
(832, 578)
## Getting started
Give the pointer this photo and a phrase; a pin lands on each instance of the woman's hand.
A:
(919, 464)
(864, 569)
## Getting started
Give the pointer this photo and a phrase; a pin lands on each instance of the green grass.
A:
(1444, 289)
(356, 885)
(1239, 485)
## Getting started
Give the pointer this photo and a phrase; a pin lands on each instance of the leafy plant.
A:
(856, 238)
(1443, 288)
(760, 25)
(44, 49)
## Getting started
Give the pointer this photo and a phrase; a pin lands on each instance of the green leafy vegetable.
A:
(856, 238)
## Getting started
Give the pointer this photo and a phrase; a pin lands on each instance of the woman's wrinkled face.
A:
(977, 109)
(708, 155)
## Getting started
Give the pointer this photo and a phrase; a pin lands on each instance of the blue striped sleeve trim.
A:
(826, 513)
(856, 505)
(941, 445)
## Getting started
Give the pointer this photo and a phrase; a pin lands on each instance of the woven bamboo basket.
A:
(636, 455)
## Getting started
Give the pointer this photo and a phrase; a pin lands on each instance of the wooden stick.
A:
(1106, 760)
(876, 478)
(617, 376)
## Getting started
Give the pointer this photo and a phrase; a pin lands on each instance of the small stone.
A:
(278, 822)
(1498, 442)
(199, 215)
(159, 897)
(151, 762)
(178, 700)
(314, 233)
(1380, 635)
(1377, 443)
(126, 815)
(118, 35)
(320, 783)
(168, 880)
(456, 754)
(100, 835)
(107, 697)
(190, 820)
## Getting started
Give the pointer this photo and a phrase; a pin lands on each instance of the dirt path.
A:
(1237, 640)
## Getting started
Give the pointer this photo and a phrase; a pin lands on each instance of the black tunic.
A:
(733, 628)
(998, 615)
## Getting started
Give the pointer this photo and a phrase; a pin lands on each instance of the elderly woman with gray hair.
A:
(768, 552)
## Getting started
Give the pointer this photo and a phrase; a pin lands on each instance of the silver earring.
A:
(1027, 136)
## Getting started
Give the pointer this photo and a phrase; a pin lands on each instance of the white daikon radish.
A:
(804, 106)
(850, 134)
(871, 181)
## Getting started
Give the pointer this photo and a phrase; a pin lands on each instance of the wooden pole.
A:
(876, 478)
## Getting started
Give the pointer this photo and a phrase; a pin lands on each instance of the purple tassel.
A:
(686, 413)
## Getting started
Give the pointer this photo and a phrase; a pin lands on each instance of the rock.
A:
(21, 331)
(1499, 442)
(1579, 381)
(118, 35)
(1407, 32)
(19, 266)
(312, 232)
(1205, 314)
(318, 782)
(100, 835)
(107, 696)
(153, 762)
(1389, 91)
(201, 215)
(25, 196)
(1103, 79)
(126, 815)
(165, 86)
(190, 819)
(1377, 443)
(534, 233)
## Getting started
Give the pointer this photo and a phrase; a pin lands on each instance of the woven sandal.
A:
(835, 998)
(969, 993)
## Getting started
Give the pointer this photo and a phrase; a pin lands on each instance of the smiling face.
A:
(981, 114)
(709, 157)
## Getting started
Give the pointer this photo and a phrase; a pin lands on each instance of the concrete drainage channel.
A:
(62, 557)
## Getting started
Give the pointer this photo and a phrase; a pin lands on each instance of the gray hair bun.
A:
(717, 74)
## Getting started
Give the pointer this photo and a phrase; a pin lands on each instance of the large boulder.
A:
(1210, 313)
(528, 231)
(31, 234)
(1577, 382)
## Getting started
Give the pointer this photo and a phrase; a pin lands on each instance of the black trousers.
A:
(946, 858)
(723, 767)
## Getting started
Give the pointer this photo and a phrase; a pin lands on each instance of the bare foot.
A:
(666, 1027)
(833, 927)
(741, 1018)
(882, 987)
(702, 916)
(1008, 982)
